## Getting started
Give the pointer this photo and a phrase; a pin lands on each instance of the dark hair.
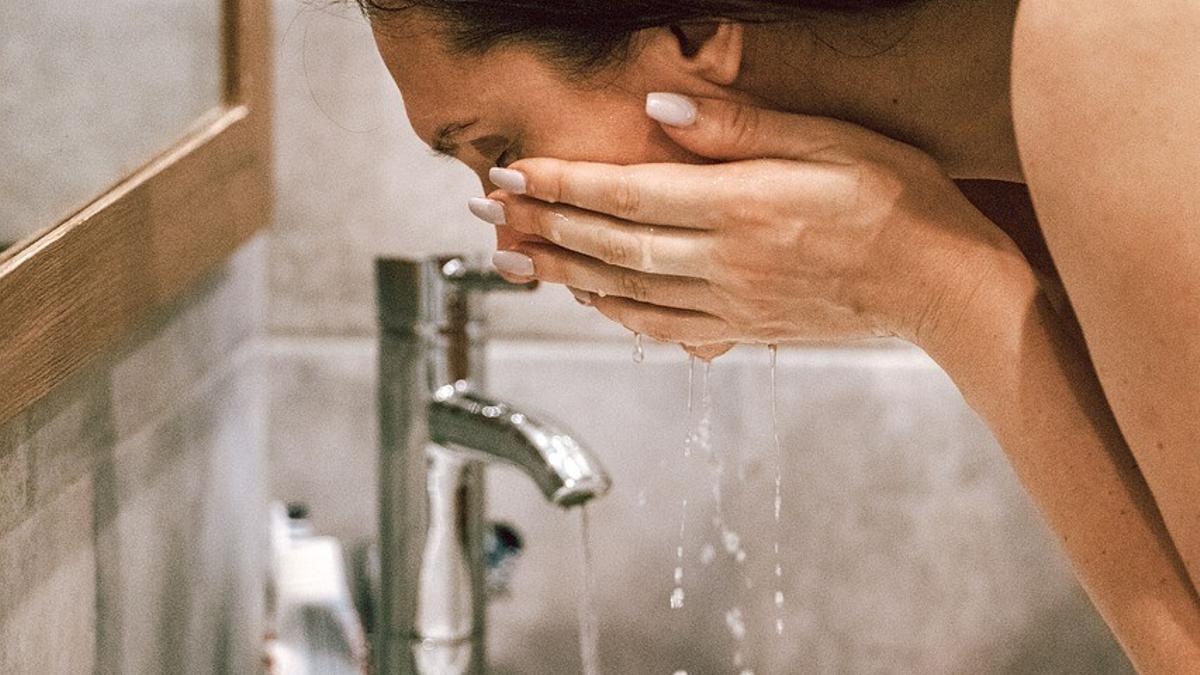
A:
(587, 34)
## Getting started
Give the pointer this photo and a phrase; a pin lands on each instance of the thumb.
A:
(729, 131)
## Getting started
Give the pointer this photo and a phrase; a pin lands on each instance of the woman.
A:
(717, 171)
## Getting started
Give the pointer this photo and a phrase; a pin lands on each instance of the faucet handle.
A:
(433, 291)
(464, 274)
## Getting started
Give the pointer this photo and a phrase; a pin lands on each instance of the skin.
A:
(798, 226)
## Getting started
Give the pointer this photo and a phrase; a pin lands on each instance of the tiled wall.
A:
(132, 499)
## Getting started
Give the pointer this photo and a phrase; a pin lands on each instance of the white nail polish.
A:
(488, 210)
(507, 179)
(671, 109)
(513, 263)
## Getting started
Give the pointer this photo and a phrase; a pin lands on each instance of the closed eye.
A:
(507, 157)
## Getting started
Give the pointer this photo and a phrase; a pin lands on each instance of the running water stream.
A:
(778, 490)
(699, 438)
(589, 627)
(677, 594)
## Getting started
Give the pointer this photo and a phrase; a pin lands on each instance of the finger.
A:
(678, 195)
(560, 266)
(646, 248)
(665, 324)
(507, 239)
(684, 196)
(728, 130)
(709, 352)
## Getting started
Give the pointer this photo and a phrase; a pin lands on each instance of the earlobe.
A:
(712, 50)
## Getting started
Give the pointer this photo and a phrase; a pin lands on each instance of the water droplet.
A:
(678, 575)
(731, 540)
(779, 626)
(741, 556)
(707, 554)
(639, 352)
(641, 498)
(735, 624)
(677, 598)
(688, 441)
(779, 598)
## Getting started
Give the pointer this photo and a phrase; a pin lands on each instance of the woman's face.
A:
(509, 103)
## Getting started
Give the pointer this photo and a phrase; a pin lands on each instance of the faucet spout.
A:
(567, 473)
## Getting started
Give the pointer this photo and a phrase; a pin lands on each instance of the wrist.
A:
(980, 304)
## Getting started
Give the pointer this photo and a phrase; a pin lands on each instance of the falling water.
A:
(677, 595)
(778, 490)
(691, 385)
(728, 538)
(639, 352)
(589, 627)
(677, 591)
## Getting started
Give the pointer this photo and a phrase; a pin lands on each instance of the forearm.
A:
(1025, 373)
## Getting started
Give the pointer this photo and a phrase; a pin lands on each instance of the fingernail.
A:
(582, 297)
(514, 263)
(488, 210)
(507, 179)
(672, 109)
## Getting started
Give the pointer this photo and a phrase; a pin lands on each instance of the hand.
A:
(810, 228)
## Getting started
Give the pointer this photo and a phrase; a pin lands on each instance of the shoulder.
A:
(1106, 70)
(1106, 96)
(1105, 100)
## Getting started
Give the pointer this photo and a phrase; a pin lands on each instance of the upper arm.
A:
(1106, 102)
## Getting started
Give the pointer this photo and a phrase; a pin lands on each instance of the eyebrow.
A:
(444, 142)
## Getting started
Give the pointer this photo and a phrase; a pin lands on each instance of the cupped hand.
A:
(807, 228)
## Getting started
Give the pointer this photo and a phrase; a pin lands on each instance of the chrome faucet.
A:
(437, 431)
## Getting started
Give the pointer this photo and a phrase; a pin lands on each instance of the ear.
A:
(711, 50)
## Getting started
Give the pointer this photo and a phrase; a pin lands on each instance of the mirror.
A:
(136, 153)
(93, 91)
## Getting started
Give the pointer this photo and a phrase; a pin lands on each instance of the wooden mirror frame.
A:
(76, 289)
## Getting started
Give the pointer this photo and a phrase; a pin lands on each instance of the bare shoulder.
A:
(1125, 76)
(1106, 105)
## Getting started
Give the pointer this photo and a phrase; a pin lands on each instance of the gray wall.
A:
(132, 499)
